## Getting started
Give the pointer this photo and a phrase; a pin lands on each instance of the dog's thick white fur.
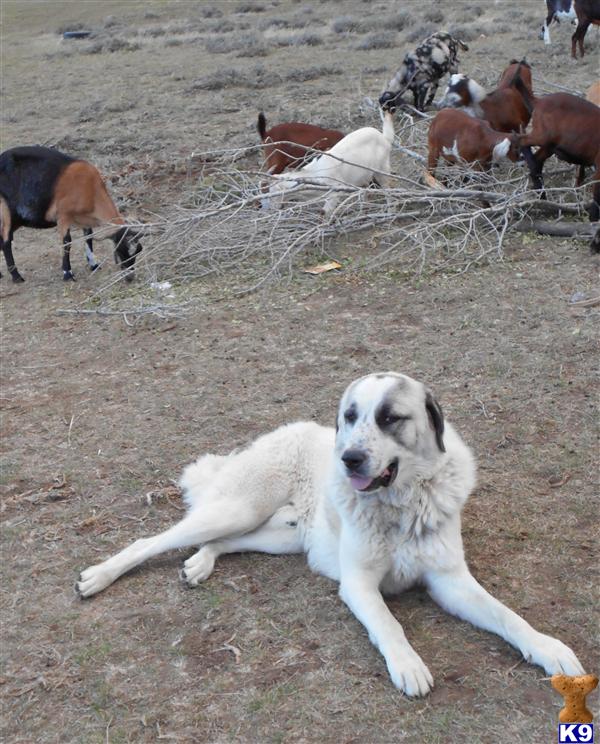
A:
(359, 158)
(375, 507)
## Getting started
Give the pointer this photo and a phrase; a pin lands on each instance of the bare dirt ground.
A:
(96, 413)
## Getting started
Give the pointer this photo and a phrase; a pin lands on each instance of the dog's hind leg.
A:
(204, 525)
(279, 535)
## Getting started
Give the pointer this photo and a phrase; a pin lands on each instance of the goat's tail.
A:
(388, 126)
(261, 125)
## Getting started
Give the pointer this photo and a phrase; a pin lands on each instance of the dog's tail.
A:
(388, 126)
(261, 125)
(198, 476)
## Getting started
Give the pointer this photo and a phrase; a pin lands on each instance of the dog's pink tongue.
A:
(359, 482)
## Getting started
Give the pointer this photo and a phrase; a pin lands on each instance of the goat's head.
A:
(274, 196)
(461, 91)
(390, 101)
(507, 148)
(514, 153)
(127, 246)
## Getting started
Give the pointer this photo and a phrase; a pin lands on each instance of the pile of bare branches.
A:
(221, 227)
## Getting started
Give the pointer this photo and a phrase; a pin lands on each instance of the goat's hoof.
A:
(95, 267)
(16, 277)
(68, 276)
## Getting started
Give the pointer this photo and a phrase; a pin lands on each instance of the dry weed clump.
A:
(260, 77)
(378, 40)
(70, 26)
(434, 15)
(250, 8)
(393, 22)
(273, 23)
(466, 33)
(303, 74)
(222, 26)
(101, 44)
(246, 45)
(345, 25)
(232, 77)
(208, 11)
(302, 20)
(421, 32)
(303, 39)
(468, 13)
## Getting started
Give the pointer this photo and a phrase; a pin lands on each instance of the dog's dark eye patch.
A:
(387, 419)
(350, 414)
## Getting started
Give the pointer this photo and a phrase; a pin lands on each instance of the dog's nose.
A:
(353, 459)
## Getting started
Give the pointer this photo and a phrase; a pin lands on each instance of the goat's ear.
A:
(436, 418)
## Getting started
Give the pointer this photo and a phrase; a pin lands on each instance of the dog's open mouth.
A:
(362, 483)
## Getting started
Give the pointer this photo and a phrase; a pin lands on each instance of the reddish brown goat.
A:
(506, 109)
(588, 12)
(455, 136)
(568, 127)
(508, 79)
(288, 145)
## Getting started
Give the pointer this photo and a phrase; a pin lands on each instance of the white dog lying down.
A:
(359, 158)
(375, 507)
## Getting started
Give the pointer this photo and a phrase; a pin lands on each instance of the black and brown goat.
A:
(588, 12)
(506, 109)
(568, 127)
(289, 145)
(41, 187)
(456, 136)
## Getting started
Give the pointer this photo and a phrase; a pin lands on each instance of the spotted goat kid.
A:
(422, 70)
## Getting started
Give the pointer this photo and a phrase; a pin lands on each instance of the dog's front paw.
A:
(199, 567)
(553, 656)
(408, 672)
(93, 580)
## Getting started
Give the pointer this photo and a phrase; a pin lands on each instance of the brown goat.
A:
(506, 109)
(508, 79)
(593, 93)
(456, 136)
(568, 127)
(588, 12)
(289, 145)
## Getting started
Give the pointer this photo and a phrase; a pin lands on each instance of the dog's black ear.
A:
(436, 419)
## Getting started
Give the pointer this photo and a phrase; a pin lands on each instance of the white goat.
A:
(356, 160)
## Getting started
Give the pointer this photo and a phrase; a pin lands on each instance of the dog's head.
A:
(390, 430)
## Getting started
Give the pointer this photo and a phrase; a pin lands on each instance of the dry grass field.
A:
(100, 413)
